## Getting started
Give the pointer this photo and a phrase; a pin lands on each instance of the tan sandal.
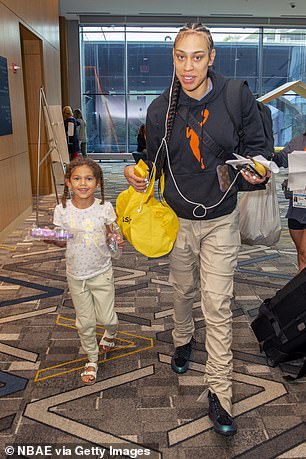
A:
(106, 343)
(91, 373)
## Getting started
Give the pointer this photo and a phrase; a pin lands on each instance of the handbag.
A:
(149, 225)
(280, 326)
(259, 216)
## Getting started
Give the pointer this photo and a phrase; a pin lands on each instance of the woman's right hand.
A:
(138, 183)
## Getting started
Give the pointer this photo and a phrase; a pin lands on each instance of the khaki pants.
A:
(93, 301)
(205, 253)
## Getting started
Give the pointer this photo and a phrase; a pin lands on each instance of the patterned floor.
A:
(138, 408)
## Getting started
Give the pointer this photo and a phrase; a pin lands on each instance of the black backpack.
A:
(280, 326)
(233, 103)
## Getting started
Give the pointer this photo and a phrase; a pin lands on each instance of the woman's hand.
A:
(138, 183)
(253, 178)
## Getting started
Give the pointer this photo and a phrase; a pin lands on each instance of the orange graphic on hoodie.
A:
(194, 139)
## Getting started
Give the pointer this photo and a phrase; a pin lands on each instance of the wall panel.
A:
(40, 17)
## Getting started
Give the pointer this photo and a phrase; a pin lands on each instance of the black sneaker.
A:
(180, 359)
(223, 422)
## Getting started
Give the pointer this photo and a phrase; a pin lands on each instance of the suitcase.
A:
(280, 326)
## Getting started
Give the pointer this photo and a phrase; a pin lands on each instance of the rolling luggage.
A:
(280, 326)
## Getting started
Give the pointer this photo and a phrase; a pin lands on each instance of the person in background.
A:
(141, 152)
(71, 132)
(207, 245)
(141, 140)
(296, 215)
(81, 128)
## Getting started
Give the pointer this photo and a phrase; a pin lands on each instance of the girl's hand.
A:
(138, 183)
(120, 241)
(60, 244)
(117, 237)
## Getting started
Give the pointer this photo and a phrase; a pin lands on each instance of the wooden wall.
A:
(39, 17)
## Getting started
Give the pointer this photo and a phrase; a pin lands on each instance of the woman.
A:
(81, 129)
(296, 215)
(208, 240)
(71, 132)
(141, 139)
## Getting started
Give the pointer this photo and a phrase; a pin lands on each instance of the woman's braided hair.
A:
(96, 170)
(176, 86)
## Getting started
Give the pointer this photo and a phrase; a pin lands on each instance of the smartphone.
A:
(224, 177)
(251, 169)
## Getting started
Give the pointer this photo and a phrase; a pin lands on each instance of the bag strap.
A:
(162, 185)
(150, 190)
(201, 132)
(300, 374)
(266, 311)
(232, 96)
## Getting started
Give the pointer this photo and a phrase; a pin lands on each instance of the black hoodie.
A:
(193, 165)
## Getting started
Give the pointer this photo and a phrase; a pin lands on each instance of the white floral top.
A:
(87, 254)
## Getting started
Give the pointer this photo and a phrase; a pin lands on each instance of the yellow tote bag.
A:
(149, 225)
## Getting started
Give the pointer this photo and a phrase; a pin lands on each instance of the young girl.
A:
(88, 261)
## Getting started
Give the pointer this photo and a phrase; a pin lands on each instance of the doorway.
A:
(33, 80)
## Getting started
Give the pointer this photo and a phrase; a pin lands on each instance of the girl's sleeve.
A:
(57, 216)
(110, 214)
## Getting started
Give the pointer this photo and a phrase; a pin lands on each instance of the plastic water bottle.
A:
(113, 241)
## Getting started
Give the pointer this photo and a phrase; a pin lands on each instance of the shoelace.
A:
(220, 411)
(182, 352)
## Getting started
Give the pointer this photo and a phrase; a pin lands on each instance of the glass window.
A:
(284, 57)
(149, 72)
(149, 59)
(289, 117)
(103, 87)
(237, 54)
(105, 117)
(124, 68)
(137, 108)
(284, 60)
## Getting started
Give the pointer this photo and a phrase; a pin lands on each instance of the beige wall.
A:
(41, 18)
